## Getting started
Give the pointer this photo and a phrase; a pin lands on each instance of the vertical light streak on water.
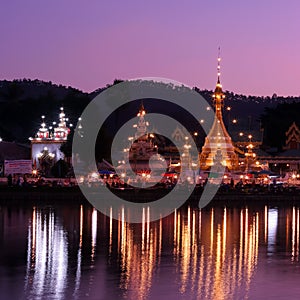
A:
(210, 258)
(234, 264)
(28, 260)
(297, 239)
(110, 230)
(266, 223)
(224, 234)
(119, 233)
(200, 270)
(287, 232)
(143, 228)
(148, 265)
(123, 240)
(148, 227)
(175, 233)
(293, 233)
(217, 283)
(240, 270)
(256, 238)
(51, 242)
(79, 258)
(200, 224)
(185, 253)
(61, 265)
(272, 229)
(144, 272)
(212, 231)
(160, 240)
(81, 226)
(41, 256)
(246, 242)
(94, 234)
(201, 276)
(189, 219)
(247, 249)
(30, 248)
(178, 237)
(195, 253)
(225, 266)
(33, 231)
(250, 253)
(194, 242)
(127, 254)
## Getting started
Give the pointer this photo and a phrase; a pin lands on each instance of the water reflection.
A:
(47, 257)
(211, 263)
(295, 234)
(138, 255)
(76, 252)
(79, 256)
(272, 228)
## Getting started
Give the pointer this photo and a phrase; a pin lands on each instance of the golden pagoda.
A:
(218, 147)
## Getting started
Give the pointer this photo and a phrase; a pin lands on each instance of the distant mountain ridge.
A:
(23, 102)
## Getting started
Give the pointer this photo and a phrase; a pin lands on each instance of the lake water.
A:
(71, 251)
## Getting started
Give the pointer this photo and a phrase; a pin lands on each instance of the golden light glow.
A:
(212, 253)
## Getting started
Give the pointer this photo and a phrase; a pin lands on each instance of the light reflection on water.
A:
(47, 256)
(75, 252)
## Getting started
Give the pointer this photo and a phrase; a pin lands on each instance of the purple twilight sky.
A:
(87, 44)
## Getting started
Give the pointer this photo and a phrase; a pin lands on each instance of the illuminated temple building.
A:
(45, 146)
(143, 147)
(218, 147)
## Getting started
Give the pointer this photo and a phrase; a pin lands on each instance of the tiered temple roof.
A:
(58, 133)
(293, 137)
(218, 146)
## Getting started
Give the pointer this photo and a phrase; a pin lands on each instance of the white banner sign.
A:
(17, 167)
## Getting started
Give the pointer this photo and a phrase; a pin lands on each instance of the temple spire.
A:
(219, 65)
(61, 131)
(43, 132)
(142, 124)
(142, 111)
(218, 94)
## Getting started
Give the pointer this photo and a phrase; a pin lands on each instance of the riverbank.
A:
(40, 193)
(45, 194)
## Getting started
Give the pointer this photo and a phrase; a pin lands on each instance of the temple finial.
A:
(219, 65)
(142, 111)
(218, 94)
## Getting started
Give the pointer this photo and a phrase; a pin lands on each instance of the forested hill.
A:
(22, 102)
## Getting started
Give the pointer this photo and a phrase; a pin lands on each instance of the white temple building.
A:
(45, 146)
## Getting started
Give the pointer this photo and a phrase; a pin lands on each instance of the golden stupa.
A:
(218, 147)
